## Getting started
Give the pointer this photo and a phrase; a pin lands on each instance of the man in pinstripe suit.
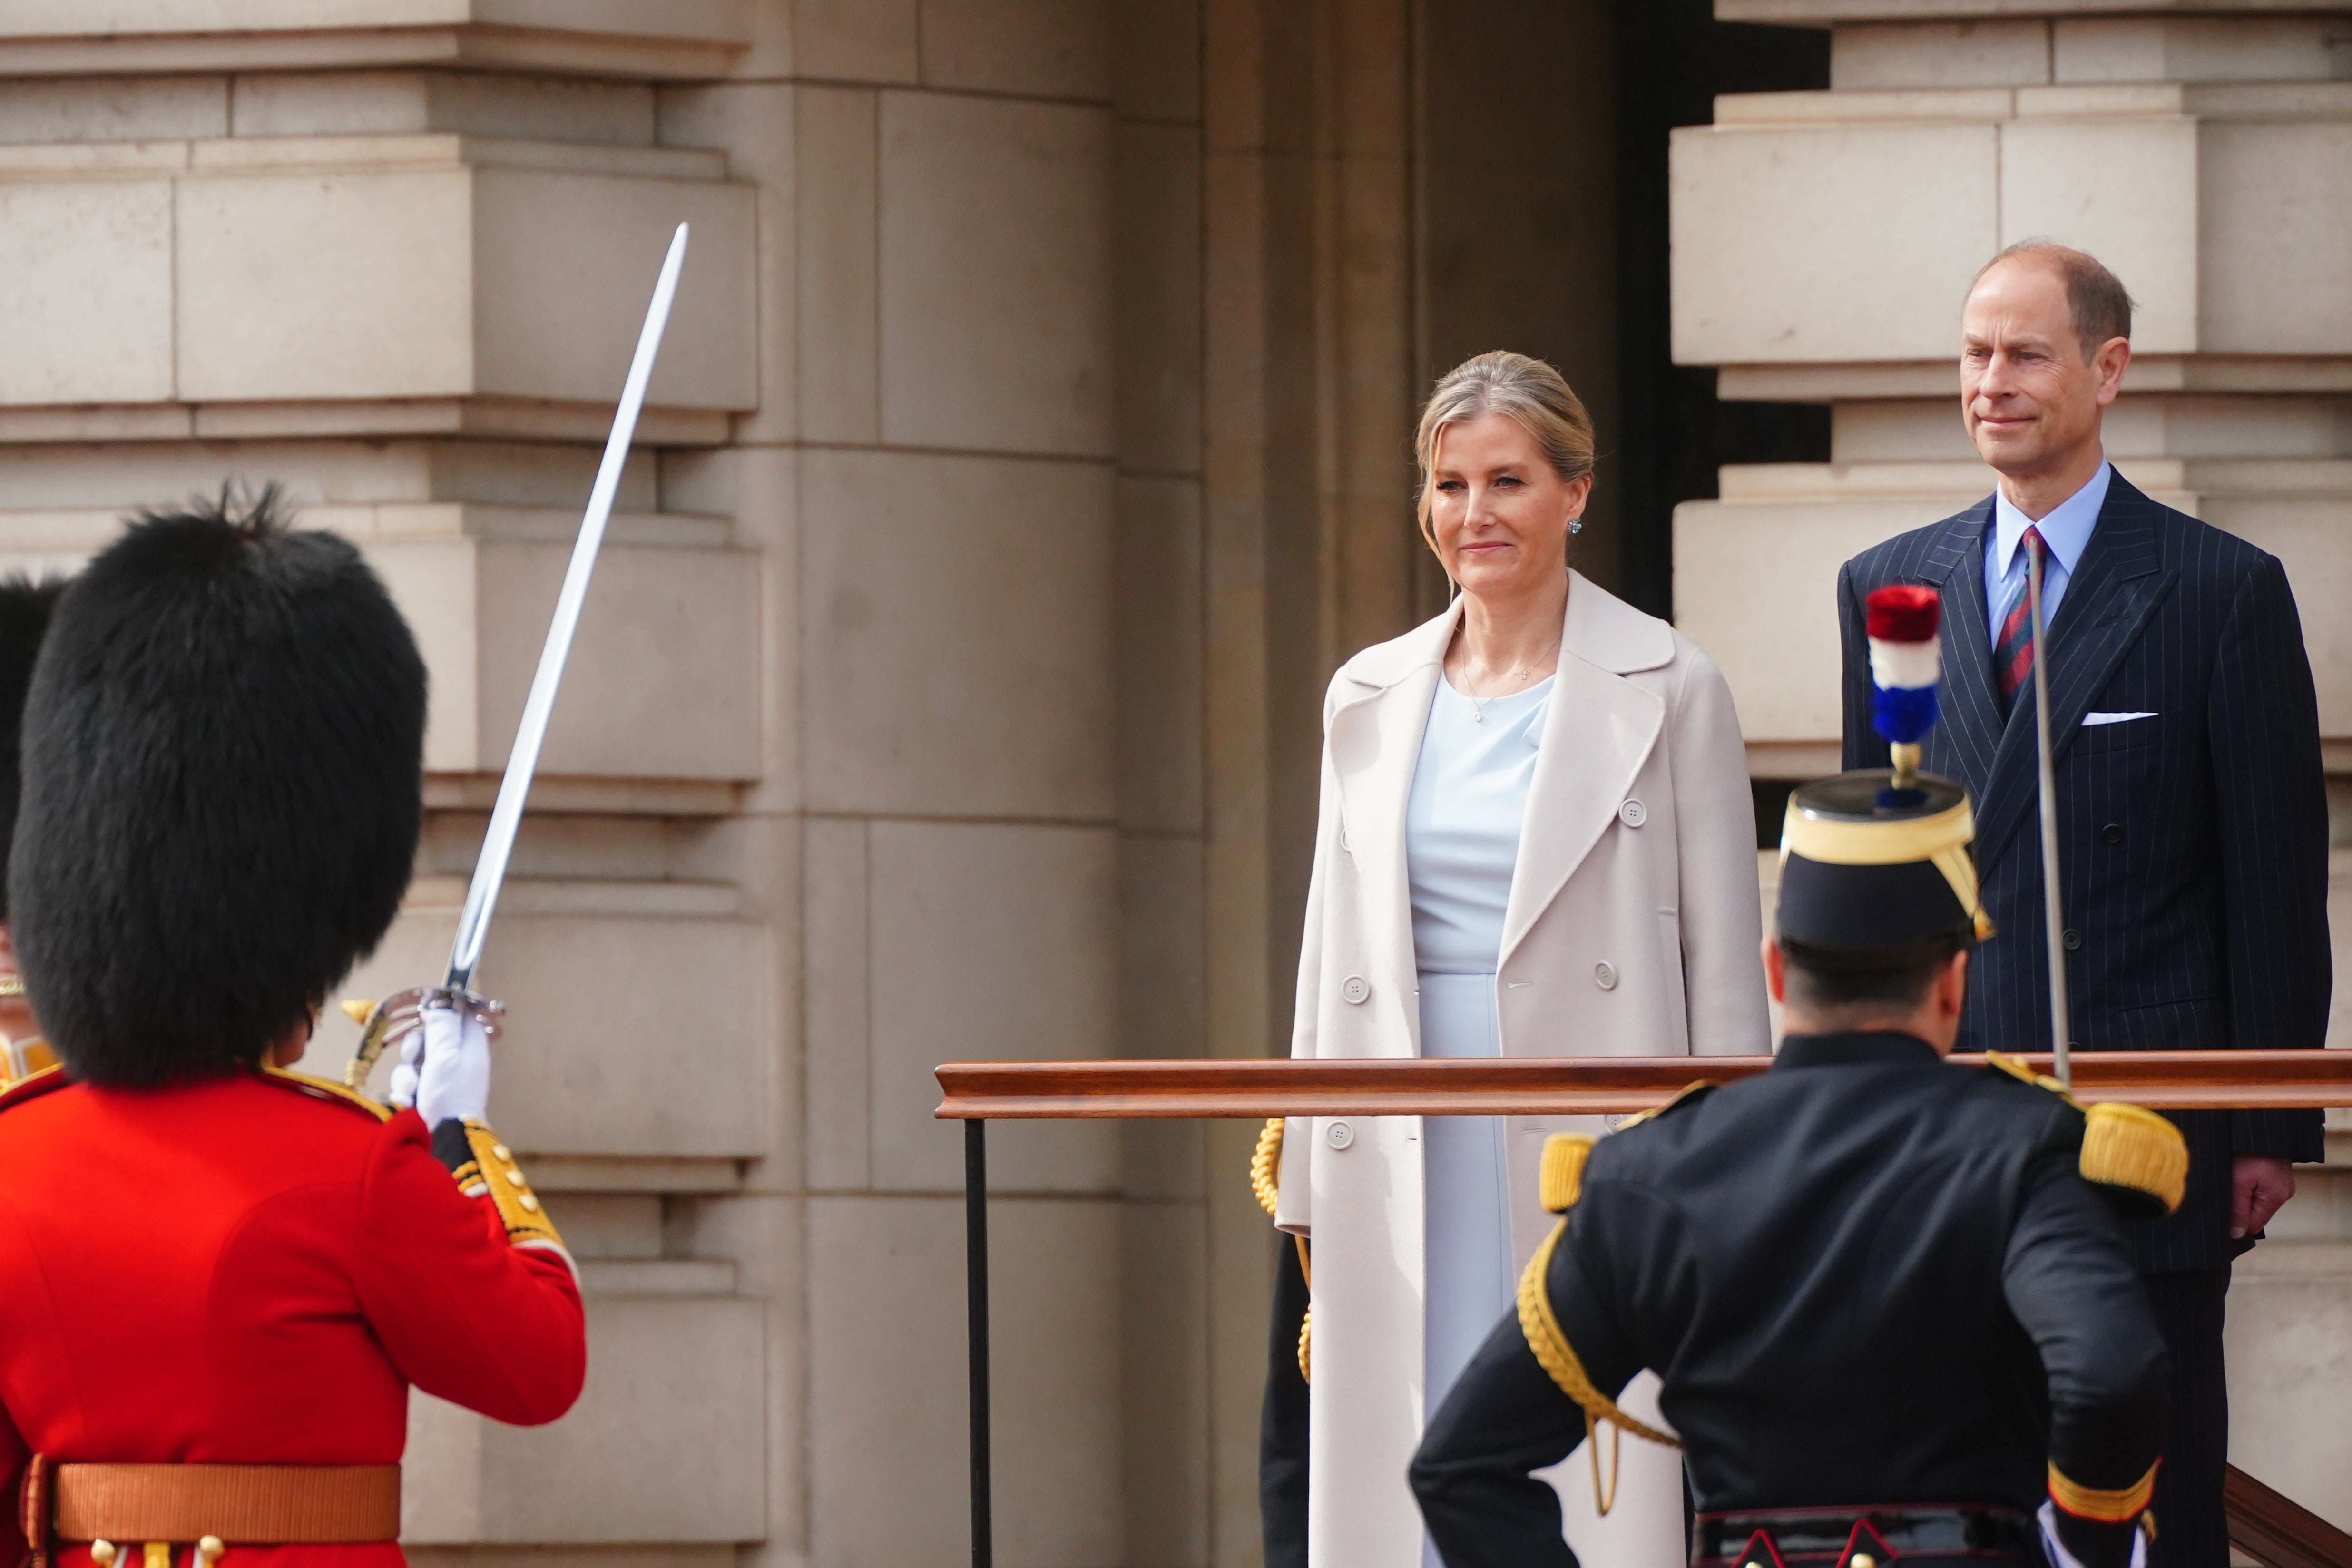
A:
(2191, 805)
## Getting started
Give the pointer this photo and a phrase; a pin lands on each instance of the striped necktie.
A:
(2012, 651)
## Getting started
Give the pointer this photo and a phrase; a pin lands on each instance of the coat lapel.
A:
(1375, 740)
(1598, 732)
(1973, 720)
(2115, 587)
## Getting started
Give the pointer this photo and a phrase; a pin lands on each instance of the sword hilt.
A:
(393, 1019)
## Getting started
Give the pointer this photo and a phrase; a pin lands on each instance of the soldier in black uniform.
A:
(1889, 1298)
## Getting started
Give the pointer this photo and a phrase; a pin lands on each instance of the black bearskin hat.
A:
(223, 755)
(25, 608)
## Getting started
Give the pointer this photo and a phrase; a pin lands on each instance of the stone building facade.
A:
(1029, 442)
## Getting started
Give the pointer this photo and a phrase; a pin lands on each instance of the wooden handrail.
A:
(2277, 1531)
(1554, 1086)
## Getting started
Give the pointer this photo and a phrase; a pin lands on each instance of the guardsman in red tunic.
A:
(220, 1278)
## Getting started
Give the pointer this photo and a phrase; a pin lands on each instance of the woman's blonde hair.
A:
(1525, 390)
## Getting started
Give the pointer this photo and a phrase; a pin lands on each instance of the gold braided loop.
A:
(1265, 1181)
(1266, 1166)
(1557, 1356)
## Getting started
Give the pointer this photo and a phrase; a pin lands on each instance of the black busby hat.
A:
(1868, 871)
(223, 749)
(25, 608)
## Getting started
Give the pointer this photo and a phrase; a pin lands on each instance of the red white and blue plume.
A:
(1905, 665)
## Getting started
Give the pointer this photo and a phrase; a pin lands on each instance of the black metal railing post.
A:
(975, 1268)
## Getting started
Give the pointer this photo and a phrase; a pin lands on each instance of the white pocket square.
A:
(2090, 719)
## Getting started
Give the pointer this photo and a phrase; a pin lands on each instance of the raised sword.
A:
(381, 1022)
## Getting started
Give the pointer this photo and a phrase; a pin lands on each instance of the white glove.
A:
(2051, 1542)
(445, 1067)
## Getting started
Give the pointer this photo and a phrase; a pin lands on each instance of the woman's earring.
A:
(1576, 525)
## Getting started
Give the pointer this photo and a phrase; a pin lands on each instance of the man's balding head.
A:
(2045, 340)
(2096, 298)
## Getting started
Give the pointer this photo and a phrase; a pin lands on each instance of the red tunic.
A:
(246, 1271)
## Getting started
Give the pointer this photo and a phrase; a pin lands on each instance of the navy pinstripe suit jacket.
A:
(2192, 846)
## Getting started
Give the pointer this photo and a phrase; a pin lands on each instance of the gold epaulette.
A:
(1561, 1180)
(326, 1089)
(1266, 1166)
(1688, 1092)
(2133, 1148)
(494, 1171)
(2126, 1148)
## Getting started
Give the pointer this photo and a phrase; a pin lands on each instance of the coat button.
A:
(2113, 833)
(1633, 814)
(1355, 988)
(1605, 974)
(1343, 838)
(1339, 1135)
(2074, 940)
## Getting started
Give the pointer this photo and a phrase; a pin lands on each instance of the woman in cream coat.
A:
(1536, 839)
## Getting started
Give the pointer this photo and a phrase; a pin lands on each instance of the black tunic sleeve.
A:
(2068, 1279)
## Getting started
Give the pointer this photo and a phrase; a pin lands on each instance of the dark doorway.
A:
(1543, 136)
(1672, 58)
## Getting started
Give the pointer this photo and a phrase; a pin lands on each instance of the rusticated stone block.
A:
(666, 1444)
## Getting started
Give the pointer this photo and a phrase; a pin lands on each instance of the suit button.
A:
(2113, 833)
(2073, 940)
(1605, 974)
(1339, 1135)
(1633, 814)
(1355, 988)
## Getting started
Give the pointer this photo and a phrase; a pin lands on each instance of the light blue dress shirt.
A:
(2065, 534)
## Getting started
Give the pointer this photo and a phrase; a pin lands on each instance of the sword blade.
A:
(506, 814)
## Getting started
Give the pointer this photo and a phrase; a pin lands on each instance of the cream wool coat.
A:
(1632, 930)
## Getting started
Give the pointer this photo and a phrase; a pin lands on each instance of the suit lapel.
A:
(2115, 587)
(1598, 732)
(1971, 732)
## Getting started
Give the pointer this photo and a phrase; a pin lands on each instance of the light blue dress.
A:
(1461, 841)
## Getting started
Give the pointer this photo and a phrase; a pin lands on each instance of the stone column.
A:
(1822, 242)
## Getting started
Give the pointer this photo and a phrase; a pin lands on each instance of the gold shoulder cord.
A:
(1266, 1172)
(1562, 1183)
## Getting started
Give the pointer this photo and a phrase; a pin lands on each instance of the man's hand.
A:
(2260, 1187)
(444, 1066)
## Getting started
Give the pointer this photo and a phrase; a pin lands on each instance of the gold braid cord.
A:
(1266, 1166)
(1265, 1181)
(1557, 1357)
